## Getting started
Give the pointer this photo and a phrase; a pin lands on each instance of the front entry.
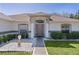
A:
(39, 30)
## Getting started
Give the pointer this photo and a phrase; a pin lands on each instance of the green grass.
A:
(15, 53)
(62, 47)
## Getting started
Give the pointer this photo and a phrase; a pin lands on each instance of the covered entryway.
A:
(39, 30)
(39, 24)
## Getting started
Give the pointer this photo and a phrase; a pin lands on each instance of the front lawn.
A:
(15, 53)
(62, 47)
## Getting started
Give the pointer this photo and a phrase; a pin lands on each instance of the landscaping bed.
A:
(62, 47)
(6, 38)
(13, 45)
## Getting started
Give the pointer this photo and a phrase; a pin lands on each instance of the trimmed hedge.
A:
(11, 36)
(60, 35)
(1, 40)
(7, 38)
(73, 35)
(56, 35)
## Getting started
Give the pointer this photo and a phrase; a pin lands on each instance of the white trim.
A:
(70, 29)
(32, 30)
(46, 30)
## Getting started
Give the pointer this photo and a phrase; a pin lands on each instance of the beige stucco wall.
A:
(75, 27)
(15, 25)
(5, 25)
(56, 26)
(12, 25)
(52, 25)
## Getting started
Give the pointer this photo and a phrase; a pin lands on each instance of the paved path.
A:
(39, 47)
(26, 45)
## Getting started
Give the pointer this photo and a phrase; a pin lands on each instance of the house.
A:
(38, 24)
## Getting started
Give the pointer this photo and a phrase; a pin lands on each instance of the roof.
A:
(39, 14)
(26, 17)
(60, 18)
(20, 17)
(4, 17)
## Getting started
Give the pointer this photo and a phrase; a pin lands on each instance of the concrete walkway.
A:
(39, 47)
(26, 45)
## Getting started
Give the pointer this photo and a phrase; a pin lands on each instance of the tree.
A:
(71, 15)
(74, 16)
(77, 15)
(66, 15)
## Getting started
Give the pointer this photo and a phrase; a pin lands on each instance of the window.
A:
(65, 28)
(23, 28)
(39, 21)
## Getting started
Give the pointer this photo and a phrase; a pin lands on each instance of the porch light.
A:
(19, 40)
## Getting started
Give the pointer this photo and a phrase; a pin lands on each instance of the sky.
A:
(17, 8)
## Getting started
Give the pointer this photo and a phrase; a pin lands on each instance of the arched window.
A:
(66, 28)
(39, 21)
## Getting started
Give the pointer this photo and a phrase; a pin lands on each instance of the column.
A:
(32, 30)
(46, 30)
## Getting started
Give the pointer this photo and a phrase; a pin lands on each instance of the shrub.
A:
(24, 35)
(11, 36)
(57, 35)
(60, 35)
(73, 35)
(1, 40)
(7, 38)
(4, 39)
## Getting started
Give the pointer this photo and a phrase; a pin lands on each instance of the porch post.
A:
(32, 30)
(46, 30)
